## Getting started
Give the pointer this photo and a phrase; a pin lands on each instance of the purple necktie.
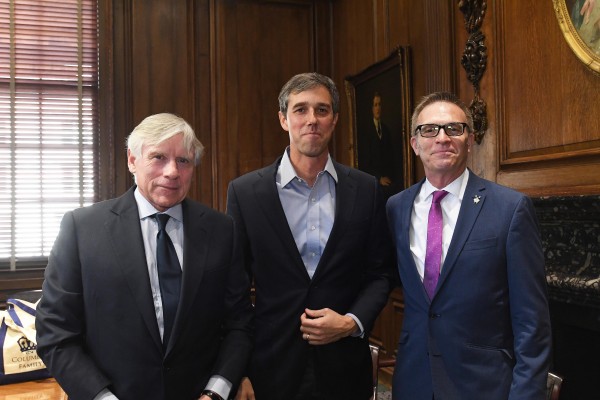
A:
(433, 254)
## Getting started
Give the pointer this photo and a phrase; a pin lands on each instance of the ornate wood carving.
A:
(474, 60)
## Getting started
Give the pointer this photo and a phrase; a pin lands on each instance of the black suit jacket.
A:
(376, 157)
(96, 323)
(352, 277)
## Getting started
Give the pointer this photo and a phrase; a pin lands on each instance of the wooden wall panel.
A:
(367, 31)
(260, 45)
(199, 22)
(162, 67)
(549, 104)
(151, 68)
(354, 48)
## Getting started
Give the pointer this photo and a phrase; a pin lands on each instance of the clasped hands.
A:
(325, 326)
(318, 327)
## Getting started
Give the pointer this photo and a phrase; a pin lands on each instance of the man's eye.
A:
(183, 161)
(428, 129)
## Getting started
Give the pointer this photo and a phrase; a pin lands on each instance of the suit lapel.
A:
(267, 198)
(345, 198)
(403, 227)
(195, 253)
(472, 203)
(123, 229)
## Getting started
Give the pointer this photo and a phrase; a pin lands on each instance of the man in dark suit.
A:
(476, 322)
(108, 325)
(376, 155)
(315, 241)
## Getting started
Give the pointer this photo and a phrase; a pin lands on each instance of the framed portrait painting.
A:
(579, 21)
(380, 111)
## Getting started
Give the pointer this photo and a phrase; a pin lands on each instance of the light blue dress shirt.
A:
(310, 212)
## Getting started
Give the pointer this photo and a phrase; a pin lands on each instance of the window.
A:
(48, 121)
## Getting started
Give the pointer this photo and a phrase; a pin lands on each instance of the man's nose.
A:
(439, 136)
(171, 169)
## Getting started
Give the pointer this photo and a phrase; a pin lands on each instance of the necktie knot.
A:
(162, 220)
(438, 195)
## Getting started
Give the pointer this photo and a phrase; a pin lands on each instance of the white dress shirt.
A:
(174, 229)
(420, 215)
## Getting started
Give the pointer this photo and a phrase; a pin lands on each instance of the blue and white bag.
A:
(19, 360)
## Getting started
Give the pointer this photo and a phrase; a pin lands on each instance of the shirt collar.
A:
(456, 187)
(146, 209)
(288, 173)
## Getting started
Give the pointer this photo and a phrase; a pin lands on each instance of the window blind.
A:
(48, 121)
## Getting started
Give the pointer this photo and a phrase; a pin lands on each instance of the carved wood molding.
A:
(474, 60)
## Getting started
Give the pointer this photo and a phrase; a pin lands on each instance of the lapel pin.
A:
(476, 199)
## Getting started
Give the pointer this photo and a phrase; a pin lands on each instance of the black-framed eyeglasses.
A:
(432, 130)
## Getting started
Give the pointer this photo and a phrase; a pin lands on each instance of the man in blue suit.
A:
(483, 329)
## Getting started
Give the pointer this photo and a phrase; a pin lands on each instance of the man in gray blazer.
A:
(316, 244)
(476, 321)
(105, 328)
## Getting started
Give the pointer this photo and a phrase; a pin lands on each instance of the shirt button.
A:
(313, 199)
(312, 228)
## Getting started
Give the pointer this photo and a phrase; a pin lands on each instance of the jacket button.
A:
(433, 316)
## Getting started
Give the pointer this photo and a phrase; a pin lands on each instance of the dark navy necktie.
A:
(433, 253)
(169, 275)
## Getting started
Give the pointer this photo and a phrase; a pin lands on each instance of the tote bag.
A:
(19, 360)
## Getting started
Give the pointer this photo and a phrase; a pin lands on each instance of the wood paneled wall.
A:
(219, 64)
(259, 46)
(547, 104)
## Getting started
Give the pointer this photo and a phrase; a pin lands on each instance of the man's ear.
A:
(130, 161)
(414, 144)
(283, 121)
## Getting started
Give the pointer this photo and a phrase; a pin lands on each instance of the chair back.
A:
(553, 385)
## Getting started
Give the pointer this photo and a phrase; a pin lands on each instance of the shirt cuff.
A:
(360, 332)
(105, 394)
(219, 385)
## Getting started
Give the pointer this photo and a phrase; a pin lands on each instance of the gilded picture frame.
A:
(380, 144)
(579, 21)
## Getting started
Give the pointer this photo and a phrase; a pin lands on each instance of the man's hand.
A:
(245, 391)
(325, 326)
(385, 181)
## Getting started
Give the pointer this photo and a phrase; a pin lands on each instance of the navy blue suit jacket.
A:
(486, 332)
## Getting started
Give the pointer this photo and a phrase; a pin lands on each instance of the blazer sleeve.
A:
(238, 328)
(528, 304)
(60, 319)
(379, 266)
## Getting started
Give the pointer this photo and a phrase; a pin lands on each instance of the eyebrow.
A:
(306, 103)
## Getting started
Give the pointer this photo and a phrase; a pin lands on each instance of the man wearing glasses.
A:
(476, 321)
